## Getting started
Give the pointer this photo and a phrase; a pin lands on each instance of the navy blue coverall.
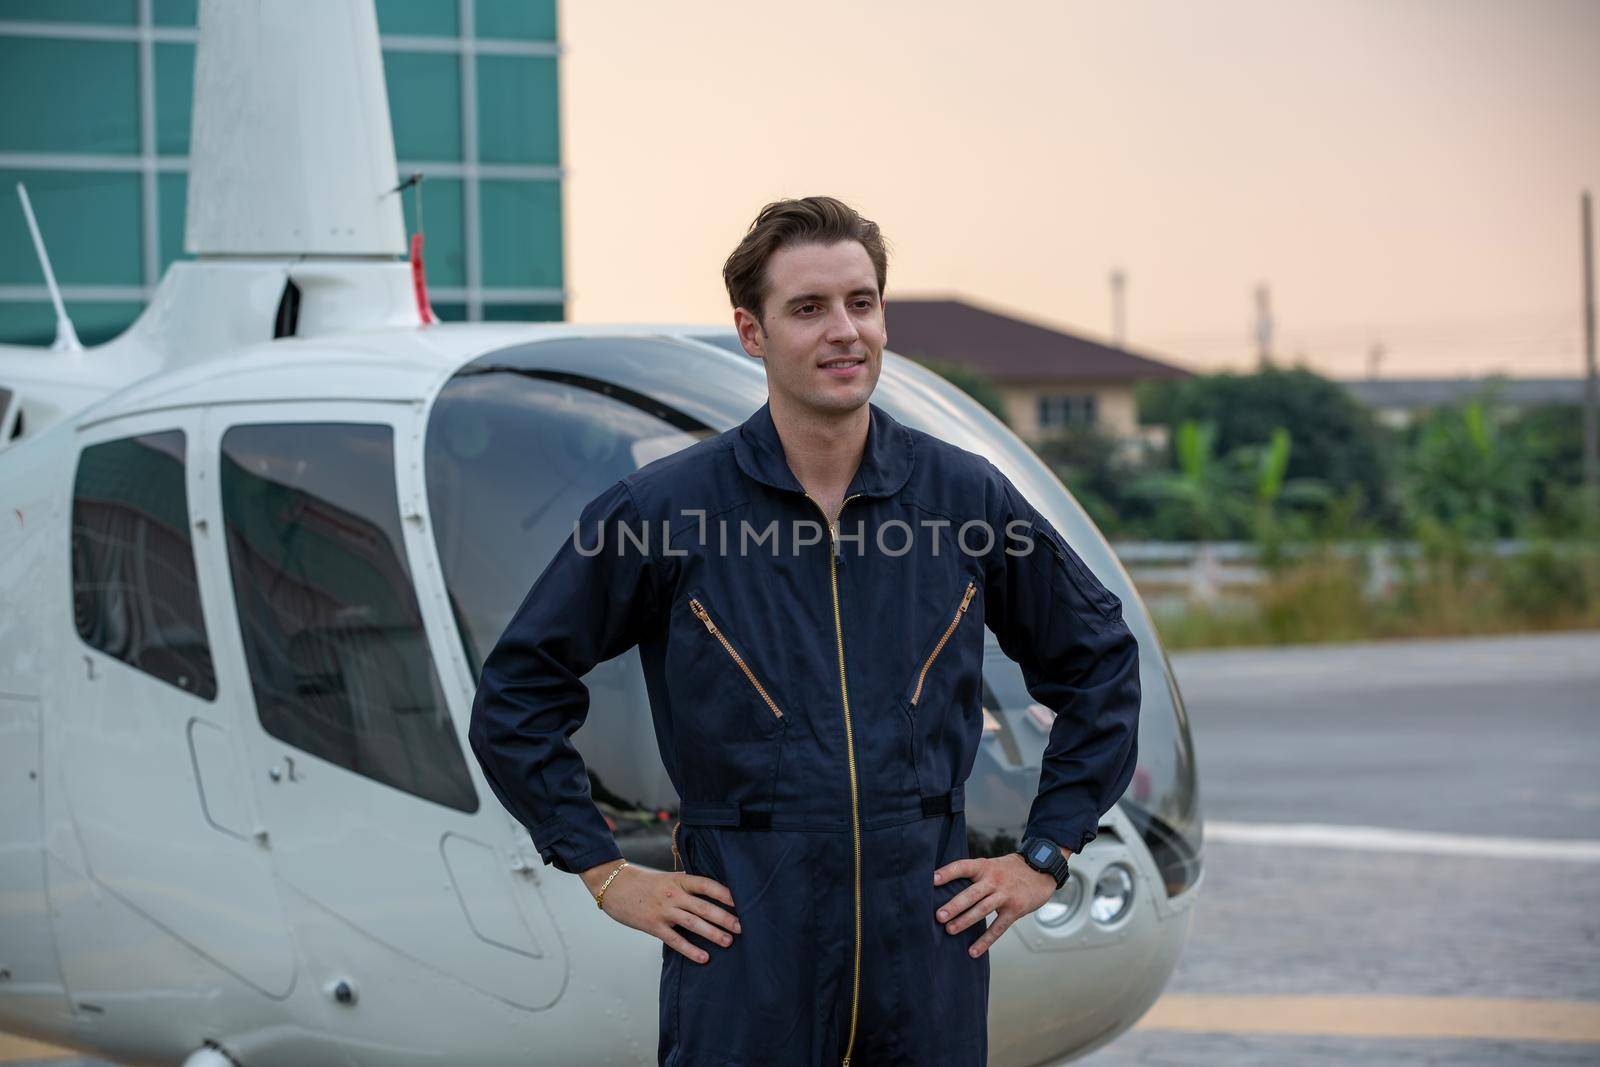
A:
(816, 690)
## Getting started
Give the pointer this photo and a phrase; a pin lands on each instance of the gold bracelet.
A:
(602, 894)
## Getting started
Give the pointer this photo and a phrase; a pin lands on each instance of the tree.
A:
(1467, 474)
(1092, 463)
(1204, 499)
(1336, 439)
(1552, 437)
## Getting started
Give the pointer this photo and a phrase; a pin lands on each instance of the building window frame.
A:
(1067, 410)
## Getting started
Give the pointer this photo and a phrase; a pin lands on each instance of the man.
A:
(818, 706)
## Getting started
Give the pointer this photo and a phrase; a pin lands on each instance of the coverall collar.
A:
(885, 463)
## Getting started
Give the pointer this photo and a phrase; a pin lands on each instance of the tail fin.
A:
(291, 151)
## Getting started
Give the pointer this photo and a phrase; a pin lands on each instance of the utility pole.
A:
(1119, 324)
(1263, 325)
(1375, 354)
(1591, 392)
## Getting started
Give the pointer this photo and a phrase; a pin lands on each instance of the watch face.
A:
(1041, 852)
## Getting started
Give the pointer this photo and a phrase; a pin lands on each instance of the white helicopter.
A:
(252, 553)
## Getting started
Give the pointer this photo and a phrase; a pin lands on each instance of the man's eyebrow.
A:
(817, 298)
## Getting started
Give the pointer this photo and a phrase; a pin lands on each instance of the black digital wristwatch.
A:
(1043, 854)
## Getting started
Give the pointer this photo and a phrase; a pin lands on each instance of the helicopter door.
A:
(30, 982)
(356, 758)
(147, 736)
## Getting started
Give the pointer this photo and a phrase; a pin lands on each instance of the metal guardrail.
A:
(1207, 571)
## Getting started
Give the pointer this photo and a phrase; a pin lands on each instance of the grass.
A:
(1451, 591)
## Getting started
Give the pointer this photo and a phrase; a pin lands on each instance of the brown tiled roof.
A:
(1009, 349)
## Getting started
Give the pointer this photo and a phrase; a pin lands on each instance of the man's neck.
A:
(824, 451)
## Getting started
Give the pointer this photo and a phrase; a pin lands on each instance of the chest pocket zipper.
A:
(922, 676)
(701, 614)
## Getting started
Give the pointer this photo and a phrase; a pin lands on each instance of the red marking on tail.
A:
(419, 280)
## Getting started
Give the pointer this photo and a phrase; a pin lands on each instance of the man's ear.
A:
(751, 335)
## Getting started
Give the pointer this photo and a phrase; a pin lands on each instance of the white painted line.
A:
(1383, 839)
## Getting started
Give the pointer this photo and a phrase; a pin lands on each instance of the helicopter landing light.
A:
(1062, 905)
(1113, 894)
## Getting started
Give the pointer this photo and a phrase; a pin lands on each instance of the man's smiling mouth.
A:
(843, 361)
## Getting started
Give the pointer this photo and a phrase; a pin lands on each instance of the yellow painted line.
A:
(20, 1049)
(1571, 1021)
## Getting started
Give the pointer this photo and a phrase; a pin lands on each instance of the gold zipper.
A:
(966, 599)
(850, 755)
(700, 613)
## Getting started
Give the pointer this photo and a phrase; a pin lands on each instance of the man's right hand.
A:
(658, 902)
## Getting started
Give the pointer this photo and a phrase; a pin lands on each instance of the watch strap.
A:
(1043, 854)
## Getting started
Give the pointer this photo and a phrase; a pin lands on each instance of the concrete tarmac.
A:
(1403, 857)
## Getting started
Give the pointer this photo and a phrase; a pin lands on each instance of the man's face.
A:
(824, 330)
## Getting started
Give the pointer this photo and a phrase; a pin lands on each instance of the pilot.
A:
(809, 592)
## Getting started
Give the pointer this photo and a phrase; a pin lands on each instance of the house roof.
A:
(1009, 349)
(1436, 392)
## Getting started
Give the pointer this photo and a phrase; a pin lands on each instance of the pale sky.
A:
(1400, 172)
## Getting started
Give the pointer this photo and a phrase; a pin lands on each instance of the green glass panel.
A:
(517, 110)
(450, 312)
(173, 191)
(522, 20)
(89, 221)
(523, 312)
(174, 94)
(27, 322)
(424, 104)
(30, 322)
(107, 12)
(92, 89)
(424, 18)
(174, 12)
(521, 227)
(442, 249)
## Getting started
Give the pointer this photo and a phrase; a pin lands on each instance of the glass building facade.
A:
(96, 125)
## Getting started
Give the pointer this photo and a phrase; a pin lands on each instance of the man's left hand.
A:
(1005, 884)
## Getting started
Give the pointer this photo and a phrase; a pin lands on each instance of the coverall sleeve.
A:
(586, 607)
(1078, 658)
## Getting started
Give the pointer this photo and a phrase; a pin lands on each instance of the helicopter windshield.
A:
(520, 440)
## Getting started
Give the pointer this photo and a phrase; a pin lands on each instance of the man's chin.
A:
(840, 401)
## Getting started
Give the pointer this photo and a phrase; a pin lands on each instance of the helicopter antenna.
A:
(66, 337)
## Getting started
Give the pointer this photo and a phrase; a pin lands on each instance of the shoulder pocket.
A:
(1106, 604)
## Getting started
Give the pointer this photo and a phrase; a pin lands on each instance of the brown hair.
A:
(810, 219)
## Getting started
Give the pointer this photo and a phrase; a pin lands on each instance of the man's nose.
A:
(841, 327)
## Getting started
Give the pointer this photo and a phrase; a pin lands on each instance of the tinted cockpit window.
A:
(134, 591)
(512, 458)
(515, 449)
(339, 662)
